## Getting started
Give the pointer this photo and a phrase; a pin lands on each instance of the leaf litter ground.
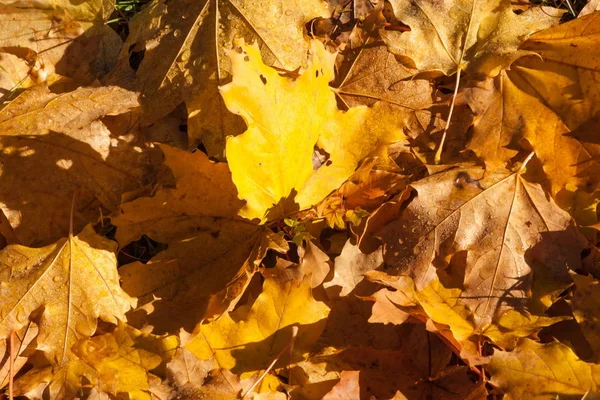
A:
(309, 200)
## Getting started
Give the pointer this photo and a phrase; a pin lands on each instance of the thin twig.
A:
(289, 344)
(438, 153)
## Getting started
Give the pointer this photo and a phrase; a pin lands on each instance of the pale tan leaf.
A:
(479, 37)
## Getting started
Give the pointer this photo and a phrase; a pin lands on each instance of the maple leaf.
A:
(496, 219)
(212, 252)
(445, 306)
(247, 339)
(48, 36)
(375, 75)
(350, 266)
(116, 363)
(537, 371)
(60, 148)
(183, 44)
(75, 280)
(194, 378)
(300, 115)
(38, 111)
(480, 37)
(415, 369)
(551, 102)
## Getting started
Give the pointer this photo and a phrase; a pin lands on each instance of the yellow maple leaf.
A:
(74, 279)
(272, 162)
(542, 371)
(248, 339)
(116, 363)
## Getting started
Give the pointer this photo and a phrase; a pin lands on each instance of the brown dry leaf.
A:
(247, 340)
(57, 147)
(192, 378)
(375, 75)
(369, 187)
(481, 38)
(502, 222)
(348, 388)
(116, 363)
(585, 303)
(212, 252)
(542, 371)
(552, 101)
(314, 262)
(38, 111)
(75, 280)
(391, 306)
(350, 266)
(183, 43)
(416, 369)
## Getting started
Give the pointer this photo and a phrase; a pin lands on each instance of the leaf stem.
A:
(438, 153)
(290, 345)
(529, 157)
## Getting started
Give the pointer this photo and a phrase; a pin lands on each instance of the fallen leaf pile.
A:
(300, 199)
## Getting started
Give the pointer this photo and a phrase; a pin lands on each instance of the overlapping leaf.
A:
(59, 148)
(496, 221)
(116, 363)
(183, 45)
(541, 371)
(43, 37)
(74, 280)
(210, 248)
(552, 101)
(249, 338)
(481, 37)
(272, 162)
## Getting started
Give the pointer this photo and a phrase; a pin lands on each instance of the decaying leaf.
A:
(302, 114)
(182, 48)
(74, 280)
(502, 222)
(481, 37)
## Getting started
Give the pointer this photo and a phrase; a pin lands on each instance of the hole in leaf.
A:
(263, 79)
(319, 157)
